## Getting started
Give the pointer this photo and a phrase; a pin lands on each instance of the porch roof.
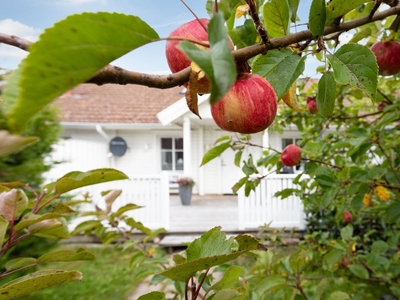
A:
(117, 104)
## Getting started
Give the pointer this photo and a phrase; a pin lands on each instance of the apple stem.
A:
(187, 6)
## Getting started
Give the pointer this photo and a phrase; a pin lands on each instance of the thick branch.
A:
(116, 75)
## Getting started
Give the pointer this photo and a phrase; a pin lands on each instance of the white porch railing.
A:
(150, 191)
(262, 208)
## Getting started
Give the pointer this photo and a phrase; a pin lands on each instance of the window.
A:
(300, 166)
(172, 154)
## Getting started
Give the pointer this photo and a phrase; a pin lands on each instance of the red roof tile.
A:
(112, 103)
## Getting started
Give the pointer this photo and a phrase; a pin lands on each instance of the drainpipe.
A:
(100, 131)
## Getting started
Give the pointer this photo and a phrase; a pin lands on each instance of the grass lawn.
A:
(108, 277)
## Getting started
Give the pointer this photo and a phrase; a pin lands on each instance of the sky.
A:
(29, 18)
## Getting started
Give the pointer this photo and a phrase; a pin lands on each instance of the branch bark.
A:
(117, 75)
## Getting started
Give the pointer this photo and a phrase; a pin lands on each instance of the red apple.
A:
(249, 106)
(387, 56)
(382, 105)
(312, 105)
(291, 155)
(345, 262)
(177, 60)
(347, 217)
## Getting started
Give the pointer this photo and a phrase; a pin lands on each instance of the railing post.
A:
(165, 197)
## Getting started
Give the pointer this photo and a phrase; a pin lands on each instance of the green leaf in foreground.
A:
(3, 229)
(153, 296)
(70, 53)
(276, 15)
(317, 17)
(10, 143)
(214, 152)
(66, 255)
(217, 63)
(280, 67)
(36, 281)
(186, 269)
(356, 65)
(76, 179)
(326, 94)
(337, 8)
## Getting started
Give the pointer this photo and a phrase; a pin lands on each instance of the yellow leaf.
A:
(151, 251)
(367, 200)
(241, 10)
(196, 69)
(290, 98)
(382, 193)
(353, 248)
(191, 94)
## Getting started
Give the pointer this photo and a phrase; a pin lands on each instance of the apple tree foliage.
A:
(350, 148)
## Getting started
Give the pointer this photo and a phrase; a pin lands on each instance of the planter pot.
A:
(185, 193)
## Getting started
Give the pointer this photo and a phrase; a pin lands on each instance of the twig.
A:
(201, 23)
(262, 32)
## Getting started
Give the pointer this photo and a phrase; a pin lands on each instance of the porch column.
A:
(201, 154)
(187, 147)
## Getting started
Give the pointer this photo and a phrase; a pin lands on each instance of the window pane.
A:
(179, 143)
(166, 161)
(286, 142)
(166, 143)
(179, 161)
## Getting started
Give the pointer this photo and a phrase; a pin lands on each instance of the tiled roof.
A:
(112, 103)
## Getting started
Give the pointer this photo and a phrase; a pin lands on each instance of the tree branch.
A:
(117, 75)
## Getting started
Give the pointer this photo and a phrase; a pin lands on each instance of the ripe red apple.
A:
(177, 60)
(249, 106)
(291, 155)
(387, 56)
(312, 105)
(345, 262)
(347, 217)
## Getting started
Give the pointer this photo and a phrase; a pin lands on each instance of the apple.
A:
(249, 106)
(312, 105)
(291, 155)
(387, 57)
(347, 217)
(345, 262)
(382, 105)
(177, 60)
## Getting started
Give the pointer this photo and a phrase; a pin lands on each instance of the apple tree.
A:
(349, 145)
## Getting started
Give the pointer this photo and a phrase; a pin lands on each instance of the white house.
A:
(160, 133)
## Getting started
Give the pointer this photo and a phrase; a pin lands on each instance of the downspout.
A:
(100, 131)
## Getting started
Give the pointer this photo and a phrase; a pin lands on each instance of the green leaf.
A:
(326, 94)
(276, 15)
(238, 158)
(377, 172)
(338, 295)
(332, 257)
(293, 5)
(211, 243)
(270, 283)
(280, 67)
(338, 8)
(12, 204)
(239, 184)
(76, 179)
(125, 208)
(325, 177)
(20, 262)
(217, 63)
(30, 219)
(317, 17)
(356, 65)
(214, 152)
(393, 212)
(184, 270)
(13, 143)
(359, 271)
(3, 229)
(86, 226)
(380, 247)
(66, 255)
(70, 53)
(153, 296)
(229, 279)
(37, 281)
(347, 232)
(53, 228)
(229, 294)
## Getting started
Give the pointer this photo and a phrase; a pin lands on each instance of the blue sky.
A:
(29, 18)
